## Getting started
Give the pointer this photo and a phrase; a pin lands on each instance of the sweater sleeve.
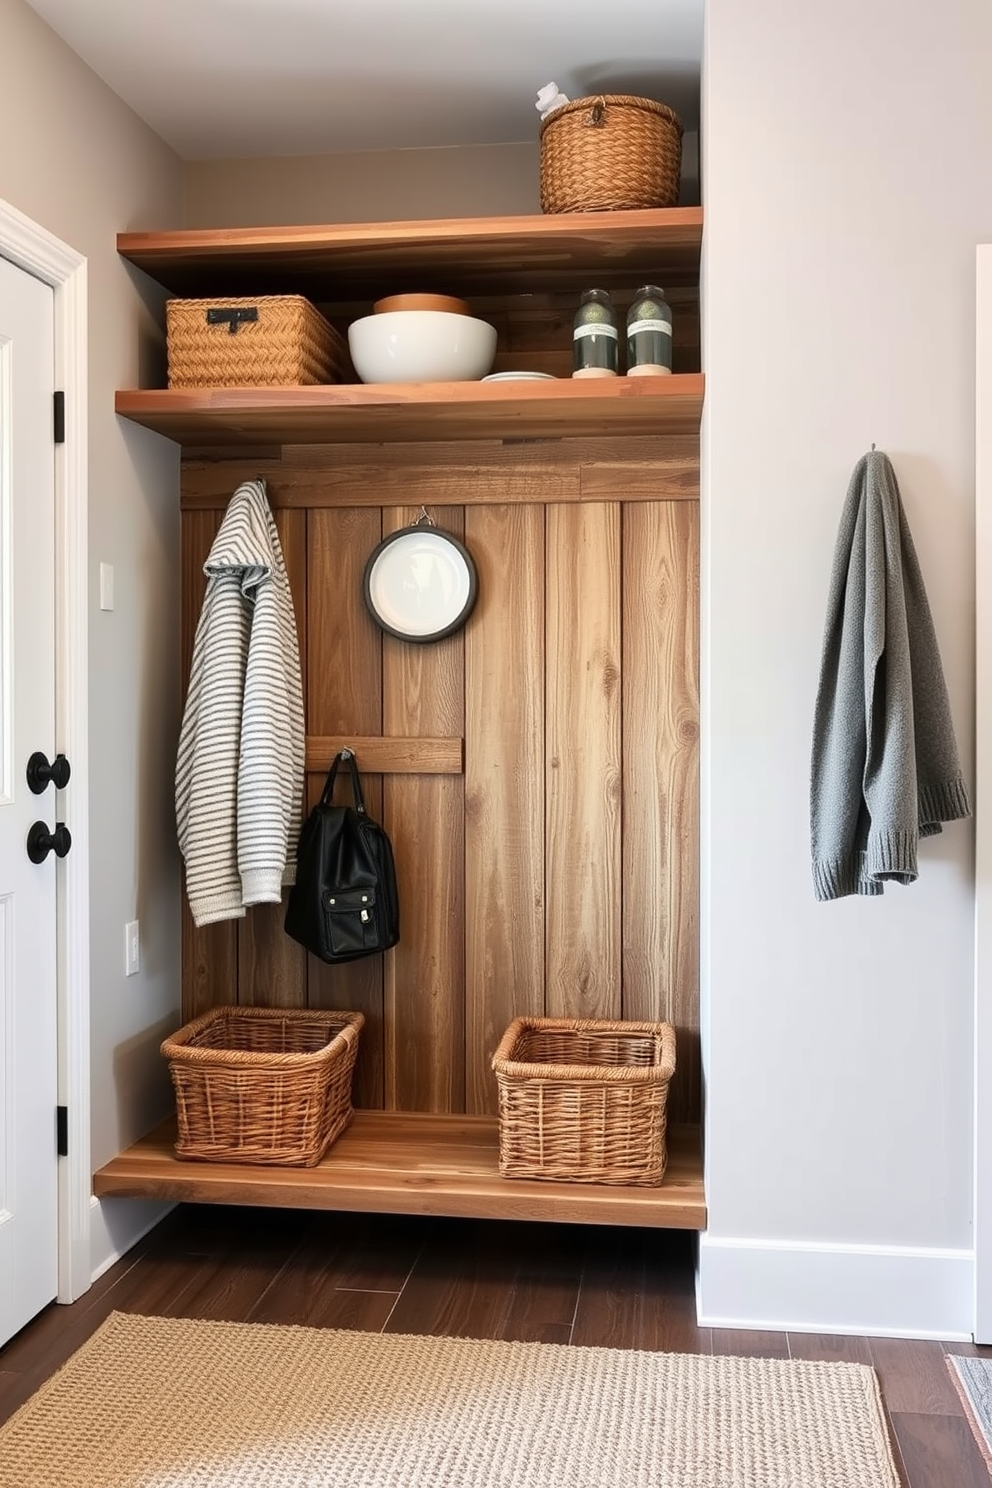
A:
(838, 815)
(271, 773)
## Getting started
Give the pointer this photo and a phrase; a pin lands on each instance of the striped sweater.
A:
(240, 764)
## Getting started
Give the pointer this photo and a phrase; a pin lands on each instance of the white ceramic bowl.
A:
(421, 346)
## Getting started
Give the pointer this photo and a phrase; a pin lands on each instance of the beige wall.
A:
(78, 162)
(839, 303)
(373, 186)
(379, 186)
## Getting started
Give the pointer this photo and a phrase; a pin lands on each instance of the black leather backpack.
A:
(344, 902)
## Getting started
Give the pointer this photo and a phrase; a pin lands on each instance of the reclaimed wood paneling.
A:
(272, 968)
(441, 473)
(344, 694)
(583, 761)
(423, 692)
(661, 779)
(209, 965)
(559, 872)
(390, 756)
(504, 785)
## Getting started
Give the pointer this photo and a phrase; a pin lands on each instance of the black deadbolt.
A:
(41, 773)
(41, 841)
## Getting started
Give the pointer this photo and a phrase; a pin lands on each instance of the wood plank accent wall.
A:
(537, 772)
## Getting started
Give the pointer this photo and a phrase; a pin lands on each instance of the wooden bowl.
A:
(421, 302)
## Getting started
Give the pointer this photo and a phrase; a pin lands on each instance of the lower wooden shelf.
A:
(392, 1162)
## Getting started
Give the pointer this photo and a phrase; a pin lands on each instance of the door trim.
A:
(47, 258)
(983, 779)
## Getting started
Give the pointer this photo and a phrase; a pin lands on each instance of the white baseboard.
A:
(118, 1224)
(806, 1288)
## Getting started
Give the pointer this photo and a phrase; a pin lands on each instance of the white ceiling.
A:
(219, 78)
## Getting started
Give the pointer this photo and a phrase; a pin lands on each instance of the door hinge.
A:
(58, 417)
(62, 1131)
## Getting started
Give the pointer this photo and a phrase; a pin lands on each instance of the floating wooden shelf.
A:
(385, 412)
(475, 255)
(391, 1162)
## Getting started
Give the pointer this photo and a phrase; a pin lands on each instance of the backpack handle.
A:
(356, 785)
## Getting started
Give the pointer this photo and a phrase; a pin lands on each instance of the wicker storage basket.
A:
(610, 153)
(584, 1100)
(272, 341)
(263, 1085)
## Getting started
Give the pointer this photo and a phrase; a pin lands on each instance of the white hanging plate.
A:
(420, 584)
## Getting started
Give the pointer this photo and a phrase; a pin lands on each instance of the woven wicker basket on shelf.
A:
(610, 153)
(584, 1100)
(269, 341)
(263, 1085)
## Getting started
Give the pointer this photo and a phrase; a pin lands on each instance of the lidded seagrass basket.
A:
(263, 1085)
(268, 341)
(584, 1100)
(613, 152)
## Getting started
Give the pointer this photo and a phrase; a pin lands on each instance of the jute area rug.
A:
(162, 1402)
(973, 1379)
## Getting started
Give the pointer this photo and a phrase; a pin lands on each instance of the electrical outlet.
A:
(132, 948)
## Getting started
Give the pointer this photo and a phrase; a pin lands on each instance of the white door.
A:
(28, 1010)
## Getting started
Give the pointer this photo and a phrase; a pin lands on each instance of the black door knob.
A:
(41, 841)
(41, 773)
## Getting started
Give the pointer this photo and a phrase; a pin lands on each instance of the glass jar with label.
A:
(595, 339)
(649, 334)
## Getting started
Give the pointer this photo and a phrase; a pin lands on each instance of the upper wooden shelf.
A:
(472, 255)
(384, 412)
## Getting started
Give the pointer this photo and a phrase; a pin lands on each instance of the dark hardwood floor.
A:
(622, 1288)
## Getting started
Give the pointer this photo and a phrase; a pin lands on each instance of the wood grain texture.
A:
(439, 472)
(495, 848)
(385, 411)
(938, 1451)
(661, 780)
(469, 255)
(634, 1297)
(390, 756)
(423, 691)
(583, 765)
(209, 955)
(272, 968)
(209, 960)
(395, 1162)
(504, 785)
(535, 330)
(344, 695)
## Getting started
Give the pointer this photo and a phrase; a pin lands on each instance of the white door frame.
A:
(983, 784)
(37, 251)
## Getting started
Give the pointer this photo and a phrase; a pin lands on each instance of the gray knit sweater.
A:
(885, 768)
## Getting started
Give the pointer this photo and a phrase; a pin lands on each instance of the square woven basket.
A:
(263, 1085)
(271, 341)
(584, 1100)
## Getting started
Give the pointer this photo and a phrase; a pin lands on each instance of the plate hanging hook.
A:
(424, 516)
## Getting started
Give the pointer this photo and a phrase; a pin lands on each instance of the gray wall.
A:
(846, 187)
(78, 162)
